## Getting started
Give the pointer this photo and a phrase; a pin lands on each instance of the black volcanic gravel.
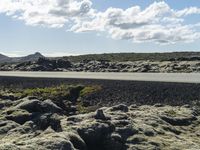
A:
(115, 92)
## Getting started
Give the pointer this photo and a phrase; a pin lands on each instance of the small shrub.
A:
(89, 90)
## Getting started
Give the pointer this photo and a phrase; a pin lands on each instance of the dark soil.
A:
(115, 92)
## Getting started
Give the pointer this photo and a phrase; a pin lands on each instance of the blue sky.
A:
(95, 30)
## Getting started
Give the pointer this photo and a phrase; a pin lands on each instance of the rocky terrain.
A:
(30, 124)
(79, 117)
(176, 62)
(43, 64)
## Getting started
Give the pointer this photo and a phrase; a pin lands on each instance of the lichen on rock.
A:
(32, 124)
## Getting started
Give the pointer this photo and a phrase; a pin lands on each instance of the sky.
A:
(73, 27)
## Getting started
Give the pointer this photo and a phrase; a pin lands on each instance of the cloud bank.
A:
(48, 13)
(157, 23)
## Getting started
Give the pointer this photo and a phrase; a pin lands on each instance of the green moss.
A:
(84, 92)
(90, 89)
(16, 112)
(81, 109)
(63, 94)
(58, 92)
(171, 112)
(67, 92)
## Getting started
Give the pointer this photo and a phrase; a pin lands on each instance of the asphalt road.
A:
(160, 77)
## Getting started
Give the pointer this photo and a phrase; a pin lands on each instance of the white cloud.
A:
(188, 11)
(50, 13)
(157, 23)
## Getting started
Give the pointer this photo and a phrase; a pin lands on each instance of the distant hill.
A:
(113, 57)
(135, 56)
(4, 58)
(32, 57)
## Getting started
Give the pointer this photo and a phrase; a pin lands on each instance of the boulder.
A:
(120, 107)
(8, 97)
(126, 131)
(149, 132)
(26, 128)
(114, 142)
(44, 121)
(60, 63)
(54, 64)
(99, 114)
(48, 106)
(5, 103)
(179, 121)
(77, 142)
(136, 139)
(95, 134)
(51, 141)
(7, 125)
(20, 116)
(35, 105)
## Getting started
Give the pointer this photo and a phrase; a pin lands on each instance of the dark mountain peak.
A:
(38, 54)
(32, 57)
(4, 58)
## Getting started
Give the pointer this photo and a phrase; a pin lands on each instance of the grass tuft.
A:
(89, 90)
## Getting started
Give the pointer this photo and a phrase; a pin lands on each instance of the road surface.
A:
(160, 77)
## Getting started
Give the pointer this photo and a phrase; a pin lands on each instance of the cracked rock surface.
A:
(28, 124)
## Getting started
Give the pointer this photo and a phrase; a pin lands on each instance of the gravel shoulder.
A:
(115, 92)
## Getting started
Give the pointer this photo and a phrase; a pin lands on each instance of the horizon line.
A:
(63, 54)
